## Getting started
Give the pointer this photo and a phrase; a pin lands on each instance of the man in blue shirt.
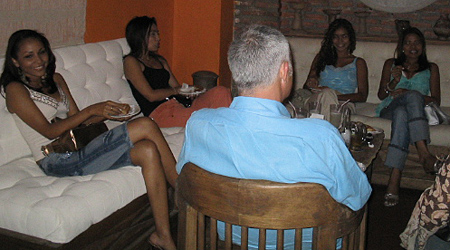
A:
(255, 138)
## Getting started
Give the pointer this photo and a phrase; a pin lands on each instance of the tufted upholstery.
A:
(59, 209)
(375, 54)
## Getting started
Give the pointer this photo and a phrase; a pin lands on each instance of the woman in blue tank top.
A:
(336, 74)
(408, 82)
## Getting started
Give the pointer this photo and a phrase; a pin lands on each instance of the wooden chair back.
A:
(202, 196)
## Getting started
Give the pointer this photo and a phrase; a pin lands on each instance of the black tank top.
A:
(158, 79)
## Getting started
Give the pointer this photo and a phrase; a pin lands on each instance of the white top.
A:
(51, 108)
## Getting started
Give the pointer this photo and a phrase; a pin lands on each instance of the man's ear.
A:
(284, 72)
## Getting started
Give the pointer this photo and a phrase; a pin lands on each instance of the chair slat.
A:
(280, 239)
(298, 239)
(262, 239)
(200, 231)
(228, 237)
(213, 233)
(244, 238)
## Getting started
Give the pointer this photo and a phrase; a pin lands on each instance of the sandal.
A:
(390, 199)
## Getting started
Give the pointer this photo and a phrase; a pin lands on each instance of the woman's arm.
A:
(172, 81)
(435, 85)
(363, 83)
(383, 91)
(134, 73)
(18, 101)
(313, 77)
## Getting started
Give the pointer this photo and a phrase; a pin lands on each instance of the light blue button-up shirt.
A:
(256, 139)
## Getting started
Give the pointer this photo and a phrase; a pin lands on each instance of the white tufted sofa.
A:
(52, 211)
(375, 54)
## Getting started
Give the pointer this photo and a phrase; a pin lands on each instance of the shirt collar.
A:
(260, 105)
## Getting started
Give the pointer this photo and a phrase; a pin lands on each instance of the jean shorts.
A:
(109, 150)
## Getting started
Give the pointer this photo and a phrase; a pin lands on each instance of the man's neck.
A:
(271, 92)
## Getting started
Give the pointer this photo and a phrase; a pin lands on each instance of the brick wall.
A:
(379, 25)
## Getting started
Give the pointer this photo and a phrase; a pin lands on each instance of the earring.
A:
(44, 79)
(22, 76)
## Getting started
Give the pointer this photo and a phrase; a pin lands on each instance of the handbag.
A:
(431, 114)
(75, 139)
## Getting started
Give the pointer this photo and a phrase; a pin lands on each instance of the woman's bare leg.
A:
(145, 129)
(426, 158)
(393, 188)
(145, 154)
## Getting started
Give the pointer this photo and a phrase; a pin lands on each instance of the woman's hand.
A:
(109, 109)
(396, 73)
(396, 93)
(312, 83)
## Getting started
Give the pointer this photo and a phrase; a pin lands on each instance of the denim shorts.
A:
(109, 150)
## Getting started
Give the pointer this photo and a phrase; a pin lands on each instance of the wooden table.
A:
(367, 154)
(366, 157)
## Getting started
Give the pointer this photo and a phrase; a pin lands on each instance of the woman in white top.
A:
(35, 94)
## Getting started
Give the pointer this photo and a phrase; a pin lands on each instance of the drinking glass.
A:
(335, 115)
(314, 108)
(300, 113)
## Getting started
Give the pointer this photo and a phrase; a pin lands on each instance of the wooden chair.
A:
(202, 196)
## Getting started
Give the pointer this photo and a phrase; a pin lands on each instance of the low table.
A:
(368, 154)
(366, 157)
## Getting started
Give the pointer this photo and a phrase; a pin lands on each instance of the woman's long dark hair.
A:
(400, 58)
(136, 33)
(11, 73)
(327, 53)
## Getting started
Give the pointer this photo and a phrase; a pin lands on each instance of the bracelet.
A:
(388, 88)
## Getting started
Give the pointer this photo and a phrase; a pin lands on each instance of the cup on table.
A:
(357, 135)
(300, 113)
(335, 115)
(314, 108)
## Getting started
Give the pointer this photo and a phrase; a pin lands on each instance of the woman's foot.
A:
(161, 243)
(390, 199)
(430, 164)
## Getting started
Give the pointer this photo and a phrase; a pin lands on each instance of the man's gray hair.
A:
(255, 57)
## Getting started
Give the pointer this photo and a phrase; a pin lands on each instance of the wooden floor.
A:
(385, 224)
(413, 175)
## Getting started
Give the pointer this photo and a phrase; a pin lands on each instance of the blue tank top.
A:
(342, 79)
(420, 82)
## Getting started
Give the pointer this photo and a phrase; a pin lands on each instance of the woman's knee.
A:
(400, 114)
(414, 96)
(144, 150)
(142, 123)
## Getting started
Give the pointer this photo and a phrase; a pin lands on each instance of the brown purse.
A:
(75, 139)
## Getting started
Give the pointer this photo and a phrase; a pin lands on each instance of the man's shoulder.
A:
(210, 115)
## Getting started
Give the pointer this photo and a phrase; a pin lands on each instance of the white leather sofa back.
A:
(94, 73)
(375, 53)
